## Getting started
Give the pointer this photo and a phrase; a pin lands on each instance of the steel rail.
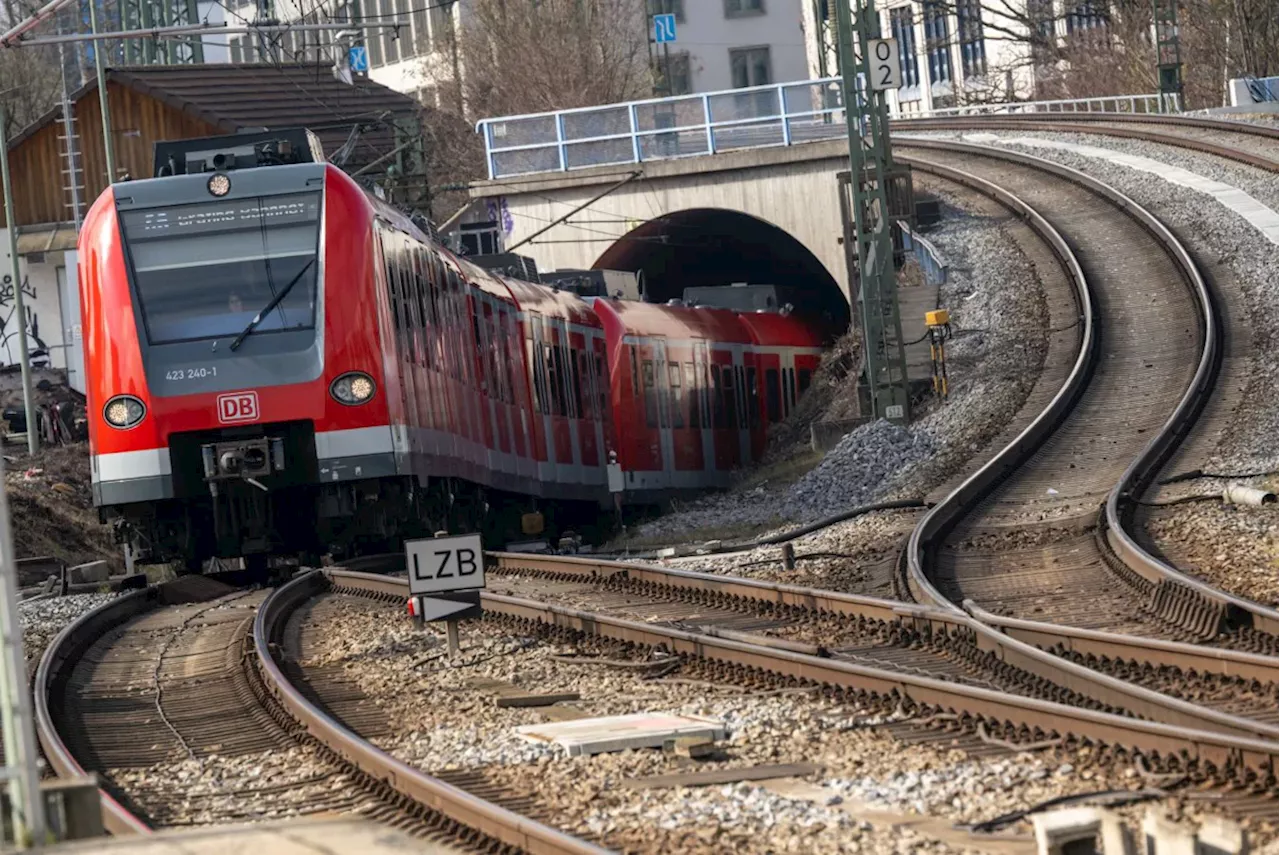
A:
(496, 822)
(65, 649)
(1217, 750)
(1182, 121)
(1096, 128)
(1158, 653)
(943, 516)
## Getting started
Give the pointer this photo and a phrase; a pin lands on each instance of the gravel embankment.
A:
(448, 721)
(1230, 547)
(1000, 320)
(43, 619)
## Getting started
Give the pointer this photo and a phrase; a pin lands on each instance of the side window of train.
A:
(603, 386)
(753, 398)
(804, 376)
(695, 396)
(789, 389)
(772, 395)
(717, 400)
(677, 396)
(730, 398)
(533, 350)
(650, 394)
(578, 366)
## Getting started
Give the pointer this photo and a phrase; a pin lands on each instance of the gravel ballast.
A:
(444, 717)
(1000, 322)
(44, 618)
(1230, 547)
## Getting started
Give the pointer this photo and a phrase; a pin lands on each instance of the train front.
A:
(222, 390)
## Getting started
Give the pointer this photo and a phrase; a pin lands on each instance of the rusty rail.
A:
(1243, 757)
(495, 822)
(943, 516)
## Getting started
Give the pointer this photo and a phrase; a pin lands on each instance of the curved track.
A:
(1209, 759)
(188, 671)
(1021, 537)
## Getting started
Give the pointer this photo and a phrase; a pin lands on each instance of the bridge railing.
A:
(690, 125)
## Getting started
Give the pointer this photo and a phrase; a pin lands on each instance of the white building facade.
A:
(415, 60)
(951, 52)
(730, 44)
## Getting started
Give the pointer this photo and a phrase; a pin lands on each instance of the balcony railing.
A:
(692, 125)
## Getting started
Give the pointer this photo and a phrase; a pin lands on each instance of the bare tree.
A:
(519, 56)
(30, 79)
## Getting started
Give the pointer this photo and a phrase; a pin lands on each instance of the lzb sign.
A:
(445, 564)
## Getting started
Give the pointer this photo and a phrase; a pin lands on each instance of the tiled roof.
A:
(248, 96)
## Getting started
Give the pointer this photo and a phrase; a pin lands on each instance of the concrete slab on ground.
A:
(291, 837)
(620, 732)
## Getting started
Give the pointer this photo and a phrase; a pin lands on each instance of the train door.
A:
(665, 412)
(744, 373)
(585, 396)
(644, 435)
(542, 447)
(601, 395)
(702, 401)
(724, 410)
(562, 427)
(686, 433)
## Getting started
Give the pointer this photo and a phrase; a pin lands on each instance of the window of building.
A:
(441, 17)
(750, 67)
(676, 66)
(1086, 15)
(743, 8)
(936, 41)
(667, 7)
(973, 49)
(902, 22)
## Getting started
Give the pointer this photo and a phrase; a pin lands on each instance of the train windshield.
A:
(203, 271)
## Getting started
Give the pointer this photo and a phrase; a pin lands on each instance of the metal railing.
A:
(781, 114)
(926, 255)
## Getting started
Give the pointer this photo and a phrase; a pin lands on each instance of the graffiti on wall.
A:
(37, 350)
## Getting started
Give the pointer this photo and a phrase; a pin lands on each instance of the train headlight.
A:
(352, 389)
(124, 412)
(219, 184)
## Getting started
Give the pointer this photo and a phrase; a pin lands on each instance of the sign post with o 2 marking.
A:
(445, 578)
(886, 73)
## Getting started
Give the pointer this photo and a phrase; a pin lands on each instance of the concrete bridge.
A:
(736, 186)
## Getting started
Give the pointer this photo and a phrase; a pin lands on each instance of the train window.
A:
(717, 400)
(552, 380)
(730, 398)
(789, 390)
(751, 395)
(579, 368)
(602, 388)
(676, 398)
(650, 394)
(805, 377)
(695, 396)
(772, 395)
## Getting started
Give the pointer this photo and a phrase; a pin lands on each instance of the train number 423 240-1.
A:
(191, 373)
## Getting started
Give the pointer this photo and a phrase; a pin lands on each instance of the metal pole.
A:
(19, 734)
(108, 146)
(11, 220)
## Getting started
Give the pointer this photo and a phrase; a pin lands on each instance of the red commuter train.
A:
(280, 364)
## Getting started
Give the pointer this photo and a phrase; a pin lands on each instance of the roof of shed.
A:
(245, 96)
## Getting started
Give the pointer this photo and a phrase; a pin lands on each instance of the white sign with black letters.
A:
(886, 73)
(445, 564)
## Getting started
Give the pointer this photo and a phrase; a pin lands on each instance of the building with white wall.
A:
(415, 60)
(730, 44)
(958, 52)
(51, 300)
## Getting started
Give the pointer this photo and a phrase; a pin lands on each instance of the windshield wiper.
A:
(266, 310)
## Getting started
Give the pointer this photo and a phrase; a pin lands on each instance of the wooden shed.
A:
(153, 103)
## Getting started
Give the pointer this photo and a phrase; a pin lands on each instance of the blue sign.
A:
(358, 59)
(664, 28)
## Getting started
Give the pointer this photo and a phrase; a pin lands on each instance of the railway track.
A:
(1024, 537)
(1251, 145)
(160, 689)
(1242, 766)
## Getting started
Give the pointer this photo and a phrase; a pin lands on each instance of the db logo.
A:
(238, 407)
